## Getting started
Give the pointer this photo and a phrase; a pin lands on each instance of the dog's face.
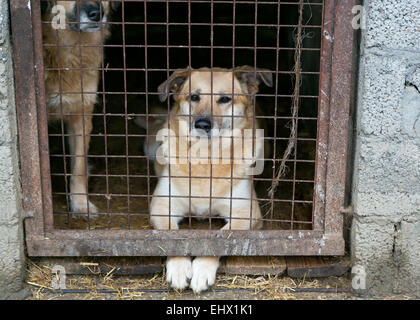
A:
(213, 101)
(88, 14)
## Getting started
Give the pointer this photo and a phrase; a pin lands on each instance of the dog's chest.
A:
(202, 195)
(195, 180)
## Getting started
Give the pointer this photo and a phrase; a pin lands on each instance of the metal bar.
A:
(341, 85)
(323, 117)
(26, 112)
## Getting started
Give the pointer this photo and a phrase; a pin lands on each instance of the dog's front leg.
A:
(204, 269)
(178, 269)
(79, 129)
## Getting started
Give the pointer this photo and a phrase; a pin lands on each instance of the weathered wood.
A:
(314, 267)
(151, 265)
(140, 243)
(101, 266)
(253, 265)
(295, 267)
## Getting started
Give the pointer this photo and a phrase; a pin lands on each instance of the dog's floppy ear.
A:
(115, 5)
(252, 77)
(45, 7)
(173, 84)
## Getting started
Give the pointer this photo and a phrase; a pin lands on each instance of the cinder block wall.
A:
(385, 236)
(12, 260)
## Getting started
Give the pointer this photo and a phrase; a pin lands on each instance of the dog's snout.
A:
(93, 11)
(94, 15)
(203, 124)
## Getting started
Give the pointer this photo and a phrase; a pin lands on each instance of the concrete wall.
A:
(385, 236)
(12, 259)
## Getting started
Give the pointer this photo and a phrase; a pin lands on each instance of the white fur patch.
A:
(203, 273)
(87, 25)
(178, 271)
(80, 204)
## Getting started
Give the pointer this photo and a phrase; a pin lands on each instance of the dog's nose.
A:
(203, 124)
(93, 13)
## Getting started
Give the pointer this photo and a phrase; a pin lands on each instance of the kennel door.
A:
(158, 35)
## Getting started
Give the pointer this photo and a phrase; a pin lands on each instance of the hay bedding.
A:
(105, 285)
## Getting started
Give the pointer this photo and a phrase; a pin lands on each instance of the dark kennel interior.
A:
(151, 39)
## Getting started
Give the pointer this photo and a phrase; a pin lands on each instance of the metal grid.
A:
(149, 41)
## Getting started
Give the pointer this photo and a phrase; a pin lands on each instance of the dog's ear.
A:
(115, 5)
(45, 6)
(252, 77)
(173, 84)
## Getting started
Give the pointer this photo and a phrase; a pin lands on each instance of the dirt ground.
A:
(98, 286)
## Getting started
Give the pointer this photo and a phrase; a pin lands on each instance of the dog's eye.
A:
(224, 99)
(195, 97)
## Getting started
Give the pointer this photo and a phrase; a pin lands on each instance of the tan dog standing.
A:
(70, 57)
(198, 114)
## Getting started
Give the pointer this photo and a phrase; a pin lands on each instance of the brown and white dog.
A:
(206, 102)
(70, 91)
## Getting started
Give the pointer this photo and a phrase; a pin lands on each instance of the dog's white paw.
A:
(178, 271)
(203, 273)
(79, 204)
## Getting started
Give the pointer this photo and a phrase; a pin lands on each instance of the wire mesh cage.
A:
(134, 97)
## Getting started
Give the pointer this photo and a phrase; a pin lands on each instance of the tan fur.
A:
(180, 119)
(76, 81)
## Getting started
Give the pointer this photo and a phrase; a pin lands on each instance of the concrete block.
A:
(7, 129)
(392, 204)
(372, 243)
(11, 258)
(411, 113)
(389, 251)
(413, 76)
(407, 256)
(382, 88)
(387, 167)
(392, 24)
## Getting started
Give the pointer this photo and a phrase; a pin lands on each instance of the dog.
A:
(82, 23)
(152, 126)
(198, 115)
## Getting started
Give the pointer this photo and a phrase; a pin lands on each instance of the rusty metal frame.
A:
(326, 238)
